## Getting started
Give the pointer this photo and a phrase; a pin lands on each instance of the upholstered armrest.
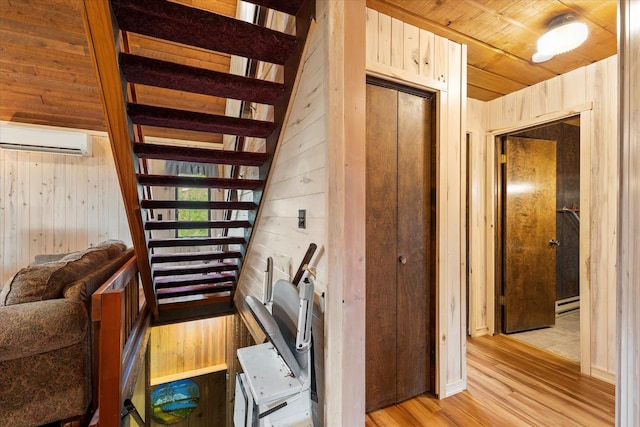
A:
(41, 326)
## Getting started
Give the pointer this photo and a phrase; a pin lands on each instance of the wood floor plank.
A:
(510, 383)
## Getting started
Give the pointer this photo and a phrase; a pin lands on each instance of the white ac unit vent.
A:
(44, 139)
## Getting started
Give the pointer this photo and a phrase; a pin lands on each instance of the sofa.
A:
(46, 335)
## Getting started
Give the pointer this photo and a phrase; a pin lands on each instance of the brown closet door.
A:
(398, 171)
(382, 224)
(413, 255)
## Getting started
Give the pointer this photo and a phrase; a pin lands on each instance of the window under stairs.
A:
(192, 276)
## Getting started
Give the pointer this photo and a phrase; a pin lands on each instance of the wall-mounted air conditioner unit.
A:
(44, 139)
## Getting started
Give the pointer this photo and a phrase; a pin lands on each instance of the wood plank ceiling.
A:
(46, 75)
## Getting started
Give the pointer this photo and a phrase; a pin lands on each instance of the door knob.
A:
(554, 242)
(402, 259)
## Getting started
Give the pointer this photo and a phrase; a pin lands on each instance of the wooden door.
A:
(529, 261)
(398, 343)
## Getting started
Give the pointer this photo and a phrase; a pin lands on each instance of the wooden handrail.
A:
(121, 332)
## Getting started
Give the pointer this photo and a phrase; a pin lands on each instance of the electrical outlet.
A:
(302, 218)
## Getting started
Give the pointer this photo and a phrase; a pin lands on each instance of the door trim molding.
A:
(585, 111)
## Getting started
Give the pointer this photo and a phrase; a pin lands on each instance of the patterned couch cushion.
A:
(47, 281)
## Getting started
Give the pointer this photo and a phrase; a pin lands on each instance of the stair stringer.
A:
(103, 42)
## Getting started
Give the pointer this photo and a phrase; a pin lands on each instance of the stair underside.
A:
(195, 277)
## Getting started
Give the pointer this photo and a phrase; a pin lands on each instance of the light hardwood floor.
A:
(510, 383)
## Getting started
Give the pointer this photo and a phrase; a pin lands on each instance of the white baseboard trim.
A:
(454, 388)
(480, 332)
(604, 375)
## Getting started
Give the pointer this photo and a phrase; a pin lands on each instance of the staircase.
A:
(186, 278)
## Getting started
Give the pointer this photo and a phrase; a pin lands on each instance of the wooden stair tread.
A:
(290, 7)
(191, 307)
(194, 279)
(194, 256)
(195, 241)
(193, 290)
(197, 182)
(199, 155)
(172, 118)
(169, 75)
(188, 204)
(195, 269)
(169, 21)
(191, 225)
(176, 303)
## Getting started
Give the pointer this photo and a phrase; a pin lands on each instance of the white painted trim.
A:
(543, 119)
(405, 78)
(586, 130)
(604, 375)
(455, 387)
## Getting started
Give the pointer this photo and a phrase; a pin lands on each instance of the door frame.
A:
(494, 169)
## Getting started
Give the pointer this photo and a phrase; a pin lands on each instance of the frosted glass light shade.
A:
(563, 38)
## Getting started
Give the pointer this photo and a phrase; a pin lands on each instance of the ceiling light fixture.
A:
(565, 34)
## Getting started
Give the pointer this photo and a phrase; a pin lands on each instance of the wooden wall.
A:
(586, 91)
(183, 350)
(412, 56)
(52, 203)
(628, 291)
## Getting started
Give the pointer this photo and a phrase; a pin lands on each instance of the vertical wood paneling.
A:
(52, 204)
(451, 260)
(36, 185)
(397, 51)
(628, 290)
(411, 49)
(572, 86)
(441, 60)
(46, 237)
(384, 38)
(509, 103)
(372, 34)
(71, 199)
(60, 243)
(13, 195)
(601, 83)
(427, 42)
(586, 119)
(476, 125)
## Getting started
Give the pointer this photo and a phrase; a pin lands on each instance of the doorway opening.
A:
(538, 278)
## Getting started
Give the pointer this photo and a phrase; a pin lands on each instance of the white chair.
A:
(275, 387)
